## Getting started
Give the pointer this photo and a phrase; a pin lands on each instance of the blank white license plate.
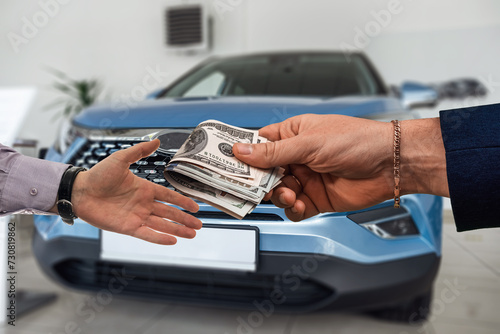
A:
(213, 248)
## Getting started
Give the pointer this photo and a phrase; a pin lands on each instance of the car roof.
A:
(285, 54)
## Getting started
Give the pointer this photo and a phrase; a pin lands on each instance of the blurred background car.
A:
(382, 258)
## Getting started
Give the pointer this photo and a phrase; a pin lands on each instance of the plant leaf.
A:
(57, 73)
(79, 94)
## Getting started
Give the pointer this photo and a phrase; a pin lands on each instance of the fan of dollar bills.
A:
(206, 169)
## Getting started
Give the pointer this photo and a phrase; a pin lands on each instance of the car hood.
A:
(244, 111)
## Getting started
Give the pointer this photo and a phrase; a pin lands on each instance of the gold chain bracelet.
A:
(397, 162)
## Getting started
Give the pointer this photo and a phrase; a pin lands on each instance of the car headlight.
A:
(387, 223)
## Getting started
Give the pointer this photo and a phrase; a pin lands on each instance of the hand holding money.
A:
(205, 168)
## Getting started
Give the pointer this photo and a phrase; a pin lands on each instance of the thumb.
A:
(271, 154)
(137, 152)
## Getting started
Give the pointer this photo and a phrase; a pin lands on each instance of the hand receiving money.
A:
(206, 169)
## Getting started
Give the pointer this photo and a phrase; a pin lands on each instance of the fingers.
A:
(137, 152)
(147, 234)
(169, 227)
(286, 129)
(268, 196)
(285, 194)
(292, 197)
(303, 208)
(297, 205)
(283, 197)
(296, 212)
(166, 195)
(271, 132)
(272, 154)
(166, 211)
(165, 223)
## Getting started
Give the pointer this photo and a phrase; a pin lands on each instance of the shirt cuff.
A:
(32, 185)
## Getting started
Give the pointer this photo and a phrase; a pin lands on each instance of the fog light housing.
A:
(387, 223)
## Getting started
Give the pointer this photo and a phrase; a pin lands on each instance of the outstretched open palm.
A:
(110, 197)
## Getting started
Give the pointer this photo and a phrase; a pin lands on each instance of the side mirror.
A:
(415, 95)
(154, 95)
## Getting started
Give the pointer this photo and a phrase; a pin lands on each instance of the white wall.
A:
(119, 41)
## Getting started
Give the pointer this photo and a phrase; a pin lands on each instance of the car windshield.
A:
(324, 75)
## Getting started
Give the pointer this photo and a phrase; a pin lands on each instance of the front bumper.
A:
(288, 281)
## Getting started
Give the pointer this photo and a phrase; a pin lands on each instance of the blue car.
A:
(383, 260)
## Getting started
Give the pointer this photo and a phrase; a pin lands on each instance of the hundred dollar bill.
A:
(228, 203)
(211, 145)
(231, 185)
(205, 168)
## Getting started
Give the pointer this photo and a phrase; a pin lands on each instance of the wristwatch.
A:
(64, 205)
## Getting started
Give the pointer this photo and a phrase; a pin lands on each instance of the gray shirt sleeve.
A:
(27, 184)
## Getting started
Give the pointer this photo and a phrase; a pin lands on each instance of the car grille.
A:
(150, 168)
(188, 285)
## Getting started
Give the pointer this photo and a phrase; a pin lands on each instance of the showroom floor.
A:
(466, 300)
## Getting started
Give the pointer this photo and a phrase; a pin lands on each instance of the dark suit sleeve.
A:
(471, 139)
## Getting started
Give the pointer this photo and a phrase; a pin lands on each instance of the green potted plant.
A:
(76, 96)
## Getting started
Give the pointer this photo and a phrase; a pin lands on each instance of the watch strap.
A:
(64, 205)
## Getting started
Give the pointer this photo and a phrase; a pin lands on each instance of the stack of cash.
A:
(206, 169)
